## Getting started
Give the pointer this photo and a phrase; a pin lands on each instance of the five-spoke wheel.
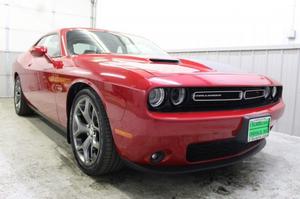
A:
(86, 131)
(91, 136)
(20, 102)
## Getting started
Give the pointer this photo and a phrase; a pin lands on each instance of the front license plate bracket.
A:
(246, 136)
(258, 128)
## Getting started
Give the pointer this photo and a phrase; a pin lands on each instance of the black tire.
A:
(107, 159)
(21, 106)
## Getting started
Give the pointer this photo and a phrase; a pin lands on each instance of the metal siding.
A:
(296, 127)
(274, 65)
(260, 62)
(289, 80)
(279, 63)
(212, 56)
(2, 63)
(235, 59)
(247, 61)
(224, 57)
(6, 77)
(6, 88)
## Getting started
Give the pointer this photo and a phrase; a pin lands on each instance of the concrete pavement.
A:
(37, 162)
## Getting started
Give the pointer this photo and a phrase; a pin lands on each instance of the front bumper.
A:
(173, 133)
(197, 167)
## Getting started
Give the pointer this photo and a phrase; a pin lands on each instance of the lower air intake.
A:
(213, 150)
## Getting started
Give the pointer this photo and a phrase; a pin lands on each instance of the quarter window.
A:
(52, 43)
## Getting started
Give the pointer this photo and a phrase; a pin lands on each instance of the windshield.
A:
(98, 42)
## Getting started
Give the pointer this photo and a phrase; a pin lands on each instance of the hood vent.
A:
(161, 60)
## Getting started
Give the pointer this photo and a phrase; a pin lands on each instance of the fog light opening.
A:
(157, 157)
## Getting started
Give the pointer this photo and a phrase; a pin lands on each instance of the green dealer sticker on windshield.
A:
(258, 128)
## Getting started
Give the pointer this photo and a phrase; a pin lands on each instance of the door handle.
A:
(29, 65)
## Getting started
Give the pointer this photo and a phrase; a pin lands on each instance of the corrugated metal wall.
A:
(281, 63)
(6, 80)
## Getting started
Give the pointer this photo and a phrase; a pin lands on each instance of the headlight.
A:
(156, 97)
(177, 95)
(267, 92)
(274, 91)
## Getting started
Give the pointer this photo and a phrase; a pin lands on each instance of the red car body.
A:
(123, 83)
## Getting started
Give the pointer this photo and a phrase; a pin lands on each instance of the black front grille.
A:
(218, 149)
(205, 96)
(254, 94)
(221, 98)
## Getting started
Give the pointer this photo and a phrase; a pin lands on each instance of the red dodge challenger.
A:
(122, 100)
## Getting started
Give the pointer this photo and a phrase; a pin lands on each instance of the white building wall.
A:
(22, 22)
(177, 24)
(174, 24)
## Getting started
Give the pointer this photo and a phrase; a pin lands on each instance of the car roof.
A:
(81, 28)
(62, 30)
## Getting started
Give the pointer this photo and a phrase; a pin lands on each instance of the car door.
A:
(43, 96)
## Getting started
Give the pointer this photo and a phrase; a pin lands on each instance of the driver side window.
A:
(84, 48)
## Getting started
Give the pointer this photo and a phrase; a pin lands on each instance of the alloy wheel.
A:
(86, 131)
(17, 96)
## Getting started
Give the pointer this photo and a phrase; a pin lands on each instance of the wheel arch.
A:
(75, 87)
(16, 75)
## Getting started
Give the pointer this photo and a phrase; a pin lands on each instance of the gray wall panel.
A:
(260, 62)
(234, 59)
(212, 56)
(274, 66)
(247, 61)
(6, 77)
(296, 128)
(2, 63)
(224, 57)
(281, 63)
(6, 86)
(289, 80)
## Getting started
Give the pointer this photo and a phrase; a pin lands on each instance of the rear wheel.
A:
(91, 136)
(20, 102)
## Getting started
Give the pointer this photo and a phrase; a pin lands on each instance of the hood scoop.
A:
(162, 60)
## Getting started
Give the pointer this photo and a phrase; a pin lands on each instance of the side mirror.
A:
(38, 51)
(58, 64)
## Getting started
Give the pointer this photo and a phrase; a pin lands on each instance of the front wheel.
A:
(91, 136)
(21, 106)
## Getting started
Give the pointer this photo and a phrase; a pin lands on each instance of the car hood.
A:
(169, 70)
(156, 66)
(213, 79)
